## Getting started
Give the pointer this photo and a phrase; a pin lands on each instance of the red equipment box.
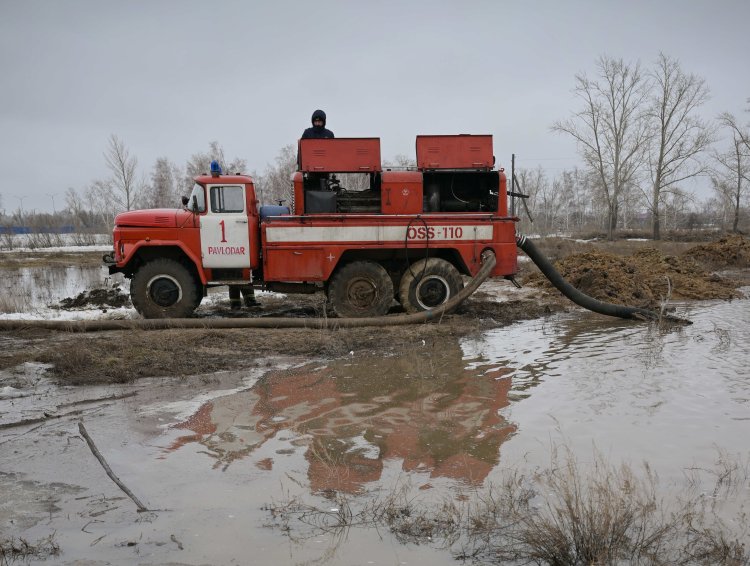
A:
(455, 152)
(340, 155)
(401, 192)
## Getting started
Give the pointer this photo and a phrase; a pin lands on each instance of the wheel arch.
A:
(145, 253)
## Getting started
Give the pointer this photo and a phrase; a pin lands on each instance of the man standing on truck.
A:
(318, 130)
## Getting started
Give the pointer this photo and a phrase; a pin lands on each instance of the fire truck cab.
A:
(363, 234)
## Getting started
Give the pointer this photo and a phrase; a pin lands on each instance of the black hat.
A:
(319, 114)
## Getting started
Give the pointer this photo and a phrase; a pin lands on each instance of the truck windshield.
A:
(199, 194)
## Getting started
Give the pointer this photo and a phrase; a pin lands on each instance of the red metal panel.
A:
(322, 241)
(401, 192)
(299, 194)
(340, 155)
(297, 264)
(455, 152)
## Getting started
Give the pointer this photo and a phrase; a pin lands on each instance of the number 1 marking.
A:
(223, 232)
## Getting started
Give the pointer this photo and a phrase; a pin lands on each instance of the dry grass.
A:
(15, 303)
(14, 549)
(46, 258)
(567, 514)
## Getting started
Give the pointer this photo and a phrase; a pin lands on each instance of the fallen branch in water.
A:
(53, 415)
(113, 397)
(110, 473)
(35, 420)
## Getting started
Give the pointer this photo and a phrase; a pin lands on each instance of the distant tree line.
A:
(638, 134)
(641, 140)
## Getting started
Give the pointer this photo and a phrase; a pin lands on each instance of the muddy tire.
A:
(429, 283)
(360, 289)
(164, 288)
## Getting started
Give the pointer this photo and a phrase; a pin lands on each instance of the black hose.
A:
(581, 299)
(488, 264)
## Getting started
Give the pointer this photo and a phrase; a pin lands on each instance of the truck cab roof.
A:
(227, 179)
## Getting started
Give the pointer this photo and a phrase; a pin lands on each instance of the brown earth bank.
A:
(645, 276)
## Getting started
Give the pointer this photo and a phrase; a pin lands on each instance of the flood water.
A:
(33, 289)
(211, 453)
(637, 392)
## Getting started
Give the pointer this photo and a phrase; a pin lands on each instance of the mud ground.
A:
(122, 356)
(632, 273)
(647, 277)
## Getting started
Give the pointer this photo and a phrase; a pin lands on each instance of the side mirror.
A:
(184, 200)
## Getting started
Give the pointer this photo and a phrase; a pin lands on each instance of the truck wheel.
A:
(164, 288)
(428, 284)
(361, 289)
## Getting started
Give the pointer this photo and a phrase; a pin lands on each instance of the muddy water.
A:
(672, 397)
(31, 289)
(210, 452)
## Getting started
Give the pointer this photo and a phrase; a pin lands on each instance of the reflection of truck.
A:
(409, 235)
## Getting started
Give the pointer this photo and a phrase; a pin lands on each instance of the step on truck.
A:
(407, 235)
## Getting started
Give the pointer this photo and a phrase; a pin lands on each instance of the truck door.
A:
(225, 236)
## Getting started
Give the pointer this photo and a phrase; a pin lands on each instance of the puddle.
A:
(37, 290)
(428, 412)
(210, 451)
(637, 393)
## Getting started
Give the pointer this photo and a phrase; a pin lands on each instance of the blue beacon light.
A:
(215, 168)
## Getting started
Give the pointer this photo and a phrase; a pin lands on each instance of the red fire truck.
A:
(407, 234)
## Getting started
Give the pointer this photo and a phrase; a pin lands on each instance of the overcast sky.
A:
(168, 76)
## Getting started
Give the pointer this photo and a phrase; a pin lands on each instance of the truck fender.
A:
(167, 243)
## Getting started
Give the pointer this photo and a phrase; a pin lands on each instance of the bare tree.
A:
(611, 129)
(85, 221)
(101, 200)
(544, 199)
(680, 137)
(400, 160)
(532, 183)
(123, 187)
(200, 164)
(741, 132)
(732, 175)
(163, 191)
(575, 189)
(74, 203)
(675, 206)
(275, 185)
(631, 206)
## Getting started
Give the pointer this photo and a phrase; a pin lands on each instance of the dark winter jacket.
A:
(318, 132)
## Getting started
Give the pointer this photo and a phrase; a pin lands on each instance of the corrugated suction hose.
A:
(581, 299)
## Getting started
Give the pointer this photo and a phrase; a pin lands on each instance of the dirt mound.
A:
(642, 279)
(112, 297)
(730, 251)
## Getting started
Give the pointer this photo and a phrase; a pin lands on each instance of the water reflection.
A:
(634, 390)
(28, 289)
(431, 411)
